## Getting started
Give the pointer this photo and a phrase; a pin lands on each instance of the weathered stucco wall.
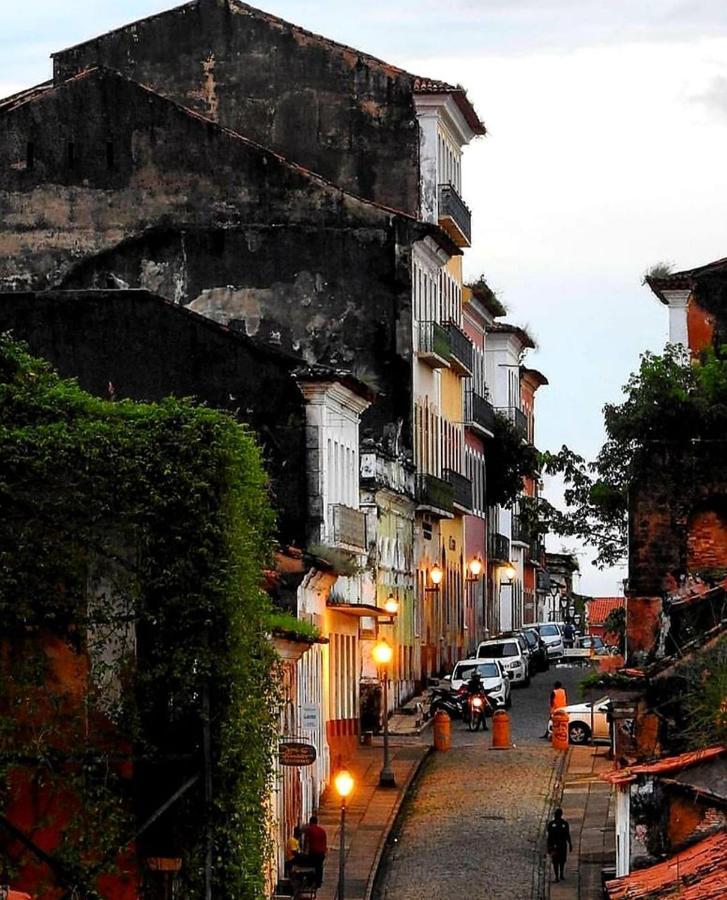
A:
(206, 219)
(335, 110)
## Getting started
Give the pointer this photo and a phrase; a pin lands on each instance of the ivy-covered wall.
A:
(132, 627)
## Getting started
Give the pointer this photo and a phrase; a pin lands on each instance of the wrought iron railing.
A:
(435, 493)
(478, 411)
(460, 348)
(452, 206)
(434, 342)
(498, 546)
(518, 419)
(461, 488)
(349, 527)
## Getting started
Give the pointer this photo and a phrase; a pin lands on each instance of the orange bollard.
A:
(559, 718)
(442, 731)
(500, 730)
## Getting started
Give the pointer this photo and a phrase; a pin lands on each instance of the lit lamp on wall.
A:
(344, 785)
(435, 576)
(508, 573)
(383, 654)
(474, 569)
(392, 605)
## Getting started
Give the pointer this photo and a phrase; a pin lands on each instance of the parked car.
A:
(512, 656)
(539, 661)
(494, 678)
(552, 635)
(584, 716)
(591, 642)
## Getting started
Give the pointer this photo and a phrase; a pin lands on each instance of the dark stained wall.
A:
(149, 349)
(189, 211)
(340, 113)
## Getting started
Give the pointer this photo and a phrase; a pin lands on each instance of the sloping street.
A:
(474, 825)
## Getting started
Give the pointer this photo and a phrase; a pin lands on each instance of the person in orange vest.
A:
(558, 699)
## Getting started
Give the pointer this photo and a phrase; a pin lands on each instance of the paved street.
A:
(473, 827)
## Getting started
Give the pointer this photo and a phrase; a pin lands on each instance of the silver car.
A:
(552, 636)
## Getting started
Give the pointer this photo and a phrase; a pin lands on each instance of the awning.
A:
(362, 610)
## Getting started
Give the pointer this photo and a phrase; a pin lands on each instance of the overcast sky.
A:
(606, 153)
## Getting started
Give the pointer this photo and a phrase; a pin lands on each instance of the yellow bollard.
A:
(442, 731)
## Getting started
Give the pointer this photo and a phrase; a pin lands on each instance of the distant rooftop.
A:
(686, 279)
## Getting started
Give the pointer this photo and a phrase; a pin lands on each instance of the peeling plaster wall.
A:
(148, 350)
(209, 220)
(337, 111)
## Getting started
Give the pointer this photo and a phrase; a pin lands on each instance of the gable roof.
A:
(419, 85)
(515, 330)
(697, 873)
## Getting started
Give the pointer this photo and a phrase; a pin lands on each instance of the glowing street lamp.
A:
(383, 653)
(508, 572)
(435, 575)
(344, 785)
(392, 605)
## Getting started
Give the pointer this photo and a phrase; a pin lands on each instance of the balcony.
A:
(498, 547)
(454, 216)
(435, 347)
(479, 414)
(460, 349)
(349, 528)
(518, 531)
(518, 419)
(435, 495)
(461, 489)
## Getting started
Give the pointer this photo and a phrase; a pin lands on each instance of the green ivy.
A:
(145, 521)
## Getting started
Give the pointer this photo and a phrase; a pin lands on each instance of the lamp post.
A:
(344, 786)
(383, 654)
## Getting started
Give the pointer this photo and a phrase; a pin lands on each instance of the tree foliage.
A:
(509, 460)
(670, 403)
(132, 539)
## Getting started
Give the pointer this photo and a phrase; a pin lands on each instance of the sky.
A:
(605, 153)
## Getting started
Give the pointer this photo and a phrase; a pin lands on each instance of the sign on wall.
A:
(309, 716)
(296, 753)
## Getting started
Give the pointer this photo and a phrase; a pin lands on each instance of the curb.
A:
(541, 884)
(389, 827)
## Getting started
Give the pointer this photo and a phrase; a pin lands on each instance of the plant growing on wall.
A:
(669, 404)
(132, 539)
(509, 460)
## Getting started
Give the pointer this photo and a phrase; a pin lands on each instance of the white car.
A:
(494, 680)
(552, 636)
(582, 717)
(510, 653)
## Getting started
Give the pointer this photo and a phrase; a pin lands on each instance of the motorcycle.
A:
(479, 707)
(454, 703)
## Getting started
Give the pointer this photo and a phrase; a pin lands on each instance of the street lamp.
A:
(383, 654)
(435, 576)
(508, 572)
(344, 786)
(392, 605)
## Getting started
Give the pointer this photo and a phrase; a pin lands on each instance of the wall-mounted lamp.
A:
(435, 576)
(392, 605)
(474, 568)
(508, 572)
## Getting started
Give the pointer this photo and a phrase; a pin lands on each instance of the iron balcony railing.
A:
(435, 494)
(518, 419)
(460, 349)
(498, 546)
(518, 530)
(454, 215)
(461, 489)
(349, 527)
(435, 345)
(479, 412)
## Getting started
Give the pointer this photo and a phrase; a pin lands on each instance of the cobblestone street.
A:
(473, 828)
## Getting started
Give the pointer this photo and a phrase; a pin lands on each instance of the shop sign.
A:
(297, 753)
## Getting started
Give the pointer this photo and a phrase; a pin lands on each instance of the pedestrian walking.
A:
(559, 843)
(558, 699)
(293, 849)
(316, 844)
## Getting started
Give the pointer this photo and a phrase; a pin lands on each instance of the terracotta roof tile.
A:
(663, 765)
(600, 607)
(697, 873)
(459, 94)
